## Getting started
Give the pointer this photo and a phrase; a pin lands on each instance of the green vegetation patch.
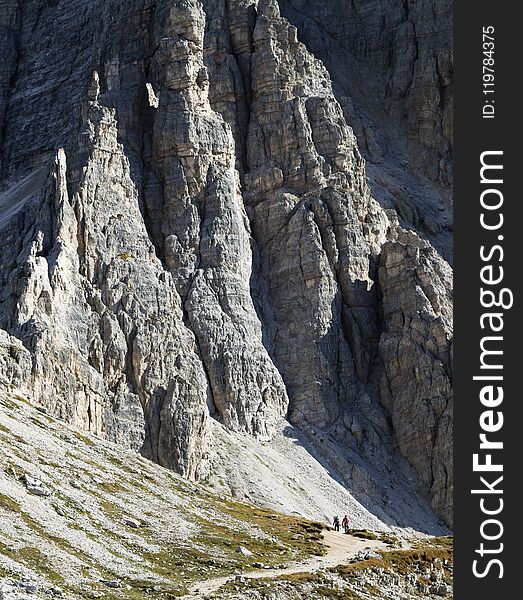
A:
(402, 562)
(112, 487)
(304, 537)
(83, 438)
(21, 398)
(9, 504)
(34, 559)
(182, 565)
(111, 509)
(446, 541)
(322, 585)
(213, 552)
(390, 540)
(8, 402)
(364, 534)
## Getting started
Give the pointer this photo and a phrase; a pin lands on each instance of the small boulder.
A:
(441, 590)
(57, 592)
(133, 523)
(35, 486)
(242, 550)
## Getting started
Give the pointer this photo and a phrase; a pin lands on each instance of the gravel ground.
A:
(289, 474)
(83, 518)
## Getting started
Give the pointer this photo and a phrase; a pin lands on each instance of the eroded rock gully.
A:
(190, 232)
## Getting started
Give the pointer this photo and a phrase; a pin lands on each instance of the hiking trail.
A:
(341, 548)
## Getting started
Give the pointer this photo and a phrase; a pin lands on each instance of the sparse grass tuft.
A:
(110, 509)
(389, 539)
(365, 534)
(322, 585)
(111, 487)
(402, 562)
(34, 559)
(303, 536)
(446, 541)
(9, 504)
(83, 438)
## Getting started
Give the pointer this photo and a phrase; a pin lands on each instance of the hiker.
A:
(336, 523)
(345, 523)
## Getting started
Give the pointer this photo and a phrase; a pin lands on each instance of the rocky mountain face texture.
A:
(219, 215)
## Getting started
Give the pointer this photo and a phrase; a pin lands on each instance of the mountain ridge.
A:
(190, 235)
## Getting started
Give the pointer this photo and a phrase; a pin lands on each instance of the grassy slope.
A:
(78, 536)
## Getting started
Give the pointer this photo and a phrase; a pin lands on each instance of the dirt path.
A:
(340, 549)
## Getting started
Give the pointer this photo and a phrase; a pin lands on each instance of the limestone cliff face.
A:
(190, 232)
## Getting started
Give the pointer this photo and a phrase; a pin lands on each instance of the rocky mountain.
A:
(225, 220)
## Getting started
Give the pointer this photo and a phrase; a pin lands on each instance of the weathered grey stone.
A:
(35, 486)
(189, 230)
(205, 229)
(133, 523)
(416, 349)
(391, 64)
(15, 361)
(112, 583)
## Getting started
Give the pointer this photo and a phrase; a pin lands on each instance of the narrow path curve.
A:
(340, 549)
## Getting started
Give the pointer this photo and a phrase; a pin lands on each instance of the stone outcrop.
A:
(416, 350)
(15, 361)
(400, 51)
(392, 68)
(190, 232)
(204, 233)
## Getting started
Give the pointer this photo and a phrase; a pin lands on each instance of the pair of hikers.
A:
(344, 523)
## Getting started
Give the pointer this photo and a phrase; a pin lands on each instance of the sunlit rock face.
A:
(234, 211)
